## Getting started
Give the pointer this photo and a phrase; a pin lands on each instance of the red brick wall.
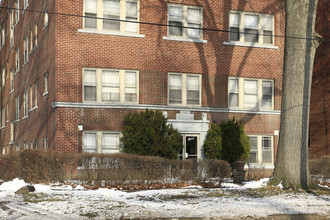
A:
(64, 52)
(39, 124)
(320, 97)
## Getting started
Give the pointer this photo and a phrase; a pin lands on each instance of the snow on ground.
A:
(230, 202)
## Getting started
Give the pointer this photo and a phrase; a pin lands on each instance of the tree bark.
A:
(291, 165)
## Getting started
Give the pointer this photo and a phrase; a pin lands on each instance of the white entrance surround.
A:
(186, 124)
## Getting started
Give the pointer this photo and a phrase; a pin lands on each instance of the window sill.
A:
(45, 93)
(32, 109)
(111, 33)
(11, 92)
(11, 142)
(11, 47)
(46, 25)
(241, 44)
(25, 117)
(25, 63)
(185, 39)
(25, 8)
(2, 127)
(16, 72)
(16, 121)
(33, 49)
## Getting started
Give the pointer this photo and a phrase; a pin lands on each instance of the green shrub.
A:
(212, 143)
(235, 143)
(148, 133)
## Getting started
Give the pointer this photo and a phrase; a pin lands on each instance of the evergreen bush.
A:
(212, 143)
(148, 133)
(235, 143)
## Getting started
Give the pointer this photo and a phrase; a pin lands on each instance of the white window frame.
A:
(46, 75)
(46, 144)
(26, 4)
(122, 86)
(260, 27)
(17, 63)
(3, 117)
(184, 89)
(16, 11)
(11, 132)
(116, 148)
(46, 18)
(3, 77)
(26, 49)
(26, 103)
(259, 93)
(259, 150)
(3, 36)
(12, 80)
(17, 109)
(11, 26)
(122, 16)
(185, 24)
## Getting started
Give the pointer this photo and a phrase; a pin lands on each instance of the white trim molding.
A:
(162, 107)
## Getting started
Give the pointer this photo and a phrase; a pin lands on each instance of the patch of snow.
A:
(79, 187)
(67, 202)
(12, 186)
(256, 184)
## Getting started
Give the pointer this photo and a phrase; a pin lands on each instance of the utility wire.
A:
(162, 25)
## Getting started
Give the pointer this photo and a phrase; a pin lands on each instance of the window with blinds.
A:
(107, 85)
(184, 89)
(250, 27)
(185, 21)
(248, 93)
(115, 15)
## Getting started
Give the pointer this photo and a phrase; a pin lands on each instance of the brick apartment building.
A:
(67, 81)
(320, 98)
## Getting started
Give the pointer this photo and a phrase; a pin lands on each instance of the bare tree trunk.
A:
(292, 157)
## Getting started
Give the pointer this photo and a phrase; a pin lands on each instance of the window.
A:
(46, 143)
(16, 5)
(11, 80)
(185, 21)
(261, 149)
(31, 40)
(17, 109)
(3, 36)
(184, 89)
(112, 11)
(26, 145)
(33, 90)
(31, 97)
(26, 103)
(107, 85)
(26, 3)
(11, 132)
(35, 101)
(248, 93)
(17, 60)
(35, 36)
(46, 83)
(3, 117)
(11, 25)
(46, 17)
(26, 49)
(251, 28)
(3, 77)
(101, 142)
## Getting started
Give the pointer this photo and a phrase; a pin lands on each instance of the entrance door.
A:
(190, 149)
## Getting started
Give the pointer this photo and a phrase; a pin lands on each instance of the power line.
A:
(162, 25)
